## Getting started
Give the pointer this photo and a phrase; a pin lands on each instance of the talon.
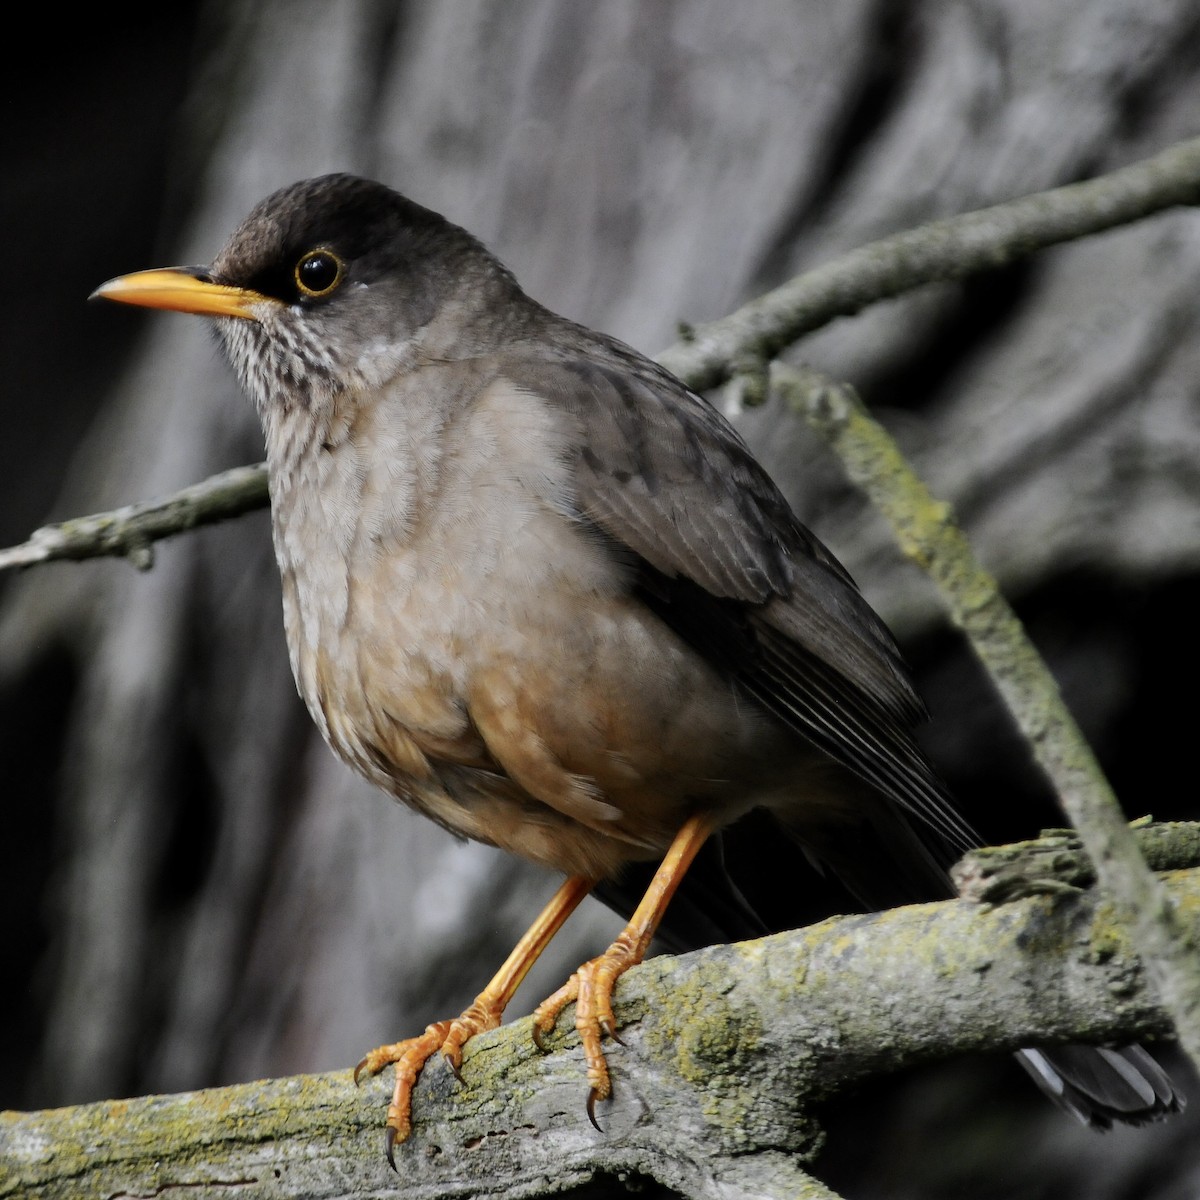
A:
(380, 1057)
(593, 1096)
(546, 1015)
(409, 1057)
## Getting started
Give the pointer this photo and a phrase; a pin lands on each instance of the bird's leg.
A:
(591, 987)
(449, 1037)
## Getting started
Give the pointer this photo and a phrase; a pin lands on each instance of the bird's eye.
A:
(318, 273)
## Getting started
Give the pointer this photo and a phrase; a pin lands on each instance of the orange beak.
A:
(182, 289)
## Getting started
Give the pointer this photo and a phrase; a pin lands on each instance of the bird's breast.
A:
(465, 641)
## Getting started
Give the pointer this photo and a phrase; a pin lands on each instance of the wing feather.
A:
(723, 560)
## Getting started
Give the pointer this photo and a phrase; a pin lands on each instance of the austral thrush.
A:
(541, 592)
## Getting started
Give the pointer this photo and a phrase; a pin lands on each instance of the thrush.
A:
(542, 593)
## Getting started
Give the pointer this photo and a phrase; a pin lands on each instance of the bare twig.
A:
(952, 248)
(134, 529)
(927, 534)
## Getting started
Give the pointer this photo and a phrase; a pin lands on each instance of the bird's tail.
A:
(1099, 1086)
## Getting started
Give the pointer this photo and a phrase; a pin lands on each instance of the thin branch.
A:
(725, 1053)
(740, 343)
(131, 531)
(925, 529)
(949, 249)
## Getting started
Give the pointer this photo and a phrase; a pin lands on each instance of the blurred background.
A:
(192, 890)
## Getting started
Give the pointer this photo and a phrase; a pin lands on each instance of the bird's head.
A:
(334, 284)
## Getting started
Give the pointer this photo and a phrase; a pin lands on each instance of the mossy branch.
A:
(727, 1052)
(925, 530)
(1057, 861)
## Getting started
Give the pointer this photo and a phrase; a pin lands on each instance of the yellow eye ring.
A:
(318, 273)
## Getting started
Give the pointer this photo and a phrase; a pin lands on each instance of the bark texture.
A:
(715, 1084)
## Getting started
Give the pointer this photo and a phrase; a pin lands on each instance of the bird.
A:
(538, 590)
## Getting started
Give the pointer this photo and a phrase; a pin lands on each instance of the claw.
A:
(590, 989)
(611, 1029)
(593, 1096)
(409, 1057)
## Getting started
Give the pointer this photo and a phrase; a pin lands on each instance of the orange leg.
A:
(449, 1037)
(591, 987)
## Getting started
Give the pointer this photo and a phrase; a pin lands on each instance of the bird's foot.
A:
(591, 988)
(410, 1056)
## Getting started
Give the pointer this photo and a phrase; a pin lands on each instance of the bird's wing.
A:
(723, 560)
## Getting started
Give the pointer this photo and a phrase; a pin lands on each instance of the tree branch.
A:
(742, 342)
(925, 530)
(726, 1052)
(952, 248)
(1057, 861)
(131, 531)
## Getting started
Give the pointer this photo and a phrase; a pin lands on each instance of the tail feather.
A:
(1098, 1086)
